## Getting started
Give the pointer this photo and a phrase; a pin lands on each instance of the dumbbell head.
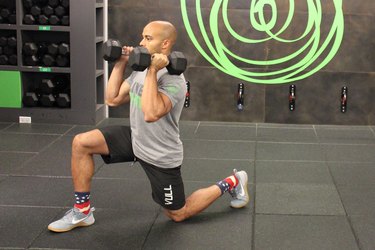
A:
(53, 3)
(48, 60)
(30, 99)
(53, 49)
(12, 60)
(3, 41)
(64, 49)
(5, 13)
(3, 60)
(43, 19)
(177, 63)
(54, 20)
(139, 59)
(60, 11)
(36, 10)
(47, 100)
(48, 10)
(12, 41)
(63, 100)
(30, 49)
(31, 60)
(65, 3)
(47, 86)
(29, 19)
(112, 50)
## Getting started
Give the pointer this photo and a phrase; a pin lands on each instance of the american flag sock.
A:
(227, 184)
(82, 202)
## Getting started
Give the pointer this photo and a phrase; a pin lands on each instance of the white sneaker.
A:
(240, 193)
(72, 219)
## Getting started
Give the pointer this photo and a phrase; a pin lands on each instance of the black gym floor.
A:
(312, 187)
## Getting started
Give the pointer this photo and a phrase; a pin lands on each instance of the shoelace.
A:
(72, 212)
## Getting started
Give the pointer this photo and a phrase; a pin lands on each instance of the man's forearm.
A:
(115, 80)
(152, 103)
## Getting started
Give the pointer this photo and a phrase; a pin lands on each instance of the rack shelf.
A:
(86, 69)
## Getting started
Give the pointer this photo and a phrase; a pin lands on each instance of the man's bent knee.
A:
(177, 215)
(90, 142)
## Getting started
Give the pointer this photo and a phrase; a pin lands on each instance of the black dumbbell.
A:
(12, 41)
(3, 60)
(53, 49)
(63, 95)
(43, 19)
(5, 13)
(54, 86)
(54, 20)
(53, 3)
(3, 41)
(31, 60)
(112, 50)
(140, 59)
(56, 91)
(64, 49)
(31, 99)
(65, 3)
(63, 100)
(29, 19)
(60, 11)
(35, 10)
(48, 60)
(30, 49)
(47, 100)
(48, 10)
(177, 61)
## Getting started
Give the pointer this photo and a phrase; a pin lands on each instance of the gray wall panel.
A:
(212, 91)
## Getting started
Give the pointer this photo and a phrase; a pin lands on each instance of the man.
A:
(156, 102)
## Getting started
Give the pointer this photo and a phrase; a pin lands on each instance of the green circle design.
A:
(219, 55)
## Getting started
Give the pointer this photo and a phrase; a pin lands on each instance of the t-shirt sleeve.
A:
(130, 78)
(173, 86)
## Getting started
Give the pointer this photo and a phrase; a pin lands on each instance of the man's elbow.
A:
(111, 103)
(150, 118)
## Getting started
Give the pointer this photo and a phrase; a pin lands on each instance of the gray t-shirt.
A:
(157, 143)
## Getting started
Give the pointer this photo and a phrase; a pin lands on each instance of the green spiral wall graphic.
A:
(316, 52)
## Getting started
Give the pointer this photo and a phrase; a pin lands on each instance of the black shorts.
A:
(166, 183)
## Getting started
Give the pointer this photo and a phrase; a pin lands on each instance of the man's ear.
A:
(166, 43)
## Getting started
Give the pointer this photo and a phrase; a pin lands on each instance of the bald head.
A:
(165, 29)
(159, 37)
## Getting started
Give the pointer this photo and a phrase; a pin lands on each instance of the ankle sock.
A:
(82, 201)
(227, 184)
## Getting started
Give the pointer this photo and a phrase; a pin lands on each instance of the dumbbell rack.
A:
(87, 71)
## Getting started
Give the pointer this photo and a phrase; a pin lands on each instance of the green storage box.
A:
(10, 89)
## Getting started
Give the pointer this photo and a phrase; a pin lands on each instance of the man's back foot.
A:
(72, 219)
(240, 193)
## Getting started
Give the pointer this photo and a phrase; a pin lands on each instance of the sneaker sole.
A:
(247, 195)
(57, 230)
